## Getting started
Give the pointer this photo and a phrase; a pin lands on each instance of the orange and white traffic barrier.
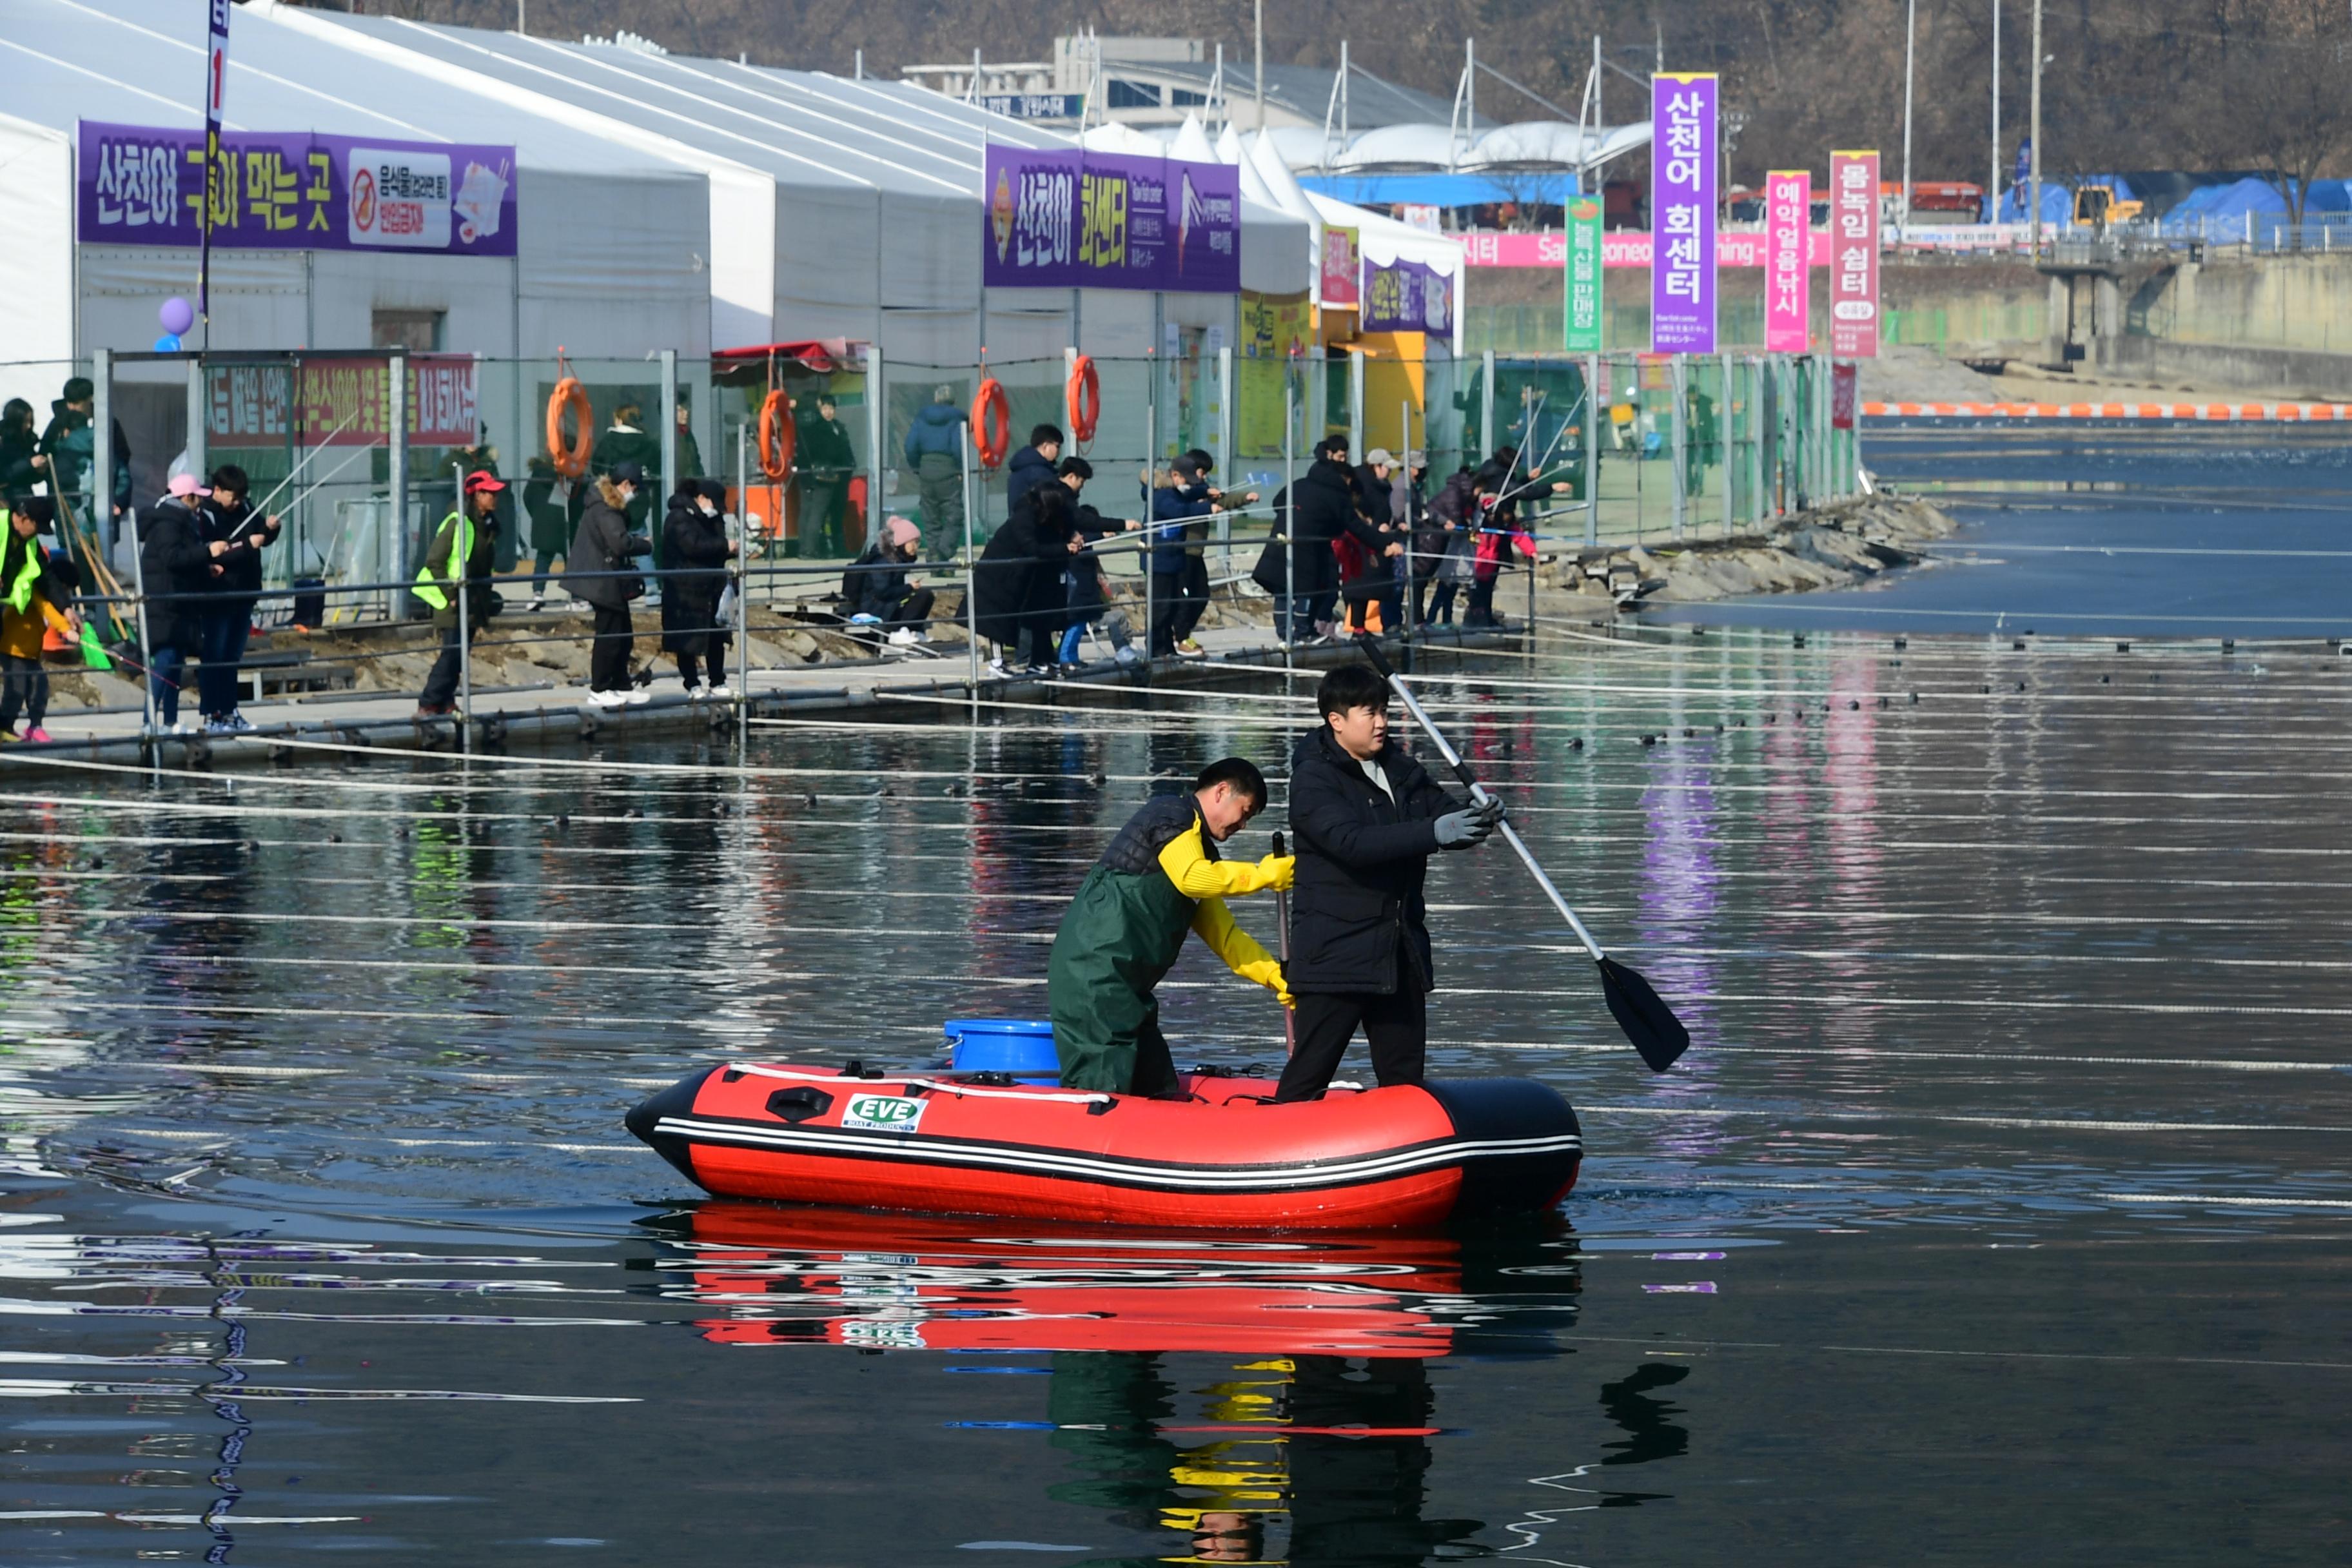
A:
(2223, 413)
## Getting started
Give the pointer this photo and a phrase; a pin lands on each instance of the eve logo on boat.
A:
(883, 1113)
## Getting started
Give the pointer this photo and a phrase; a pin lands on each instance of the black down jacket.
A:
(1357, 922)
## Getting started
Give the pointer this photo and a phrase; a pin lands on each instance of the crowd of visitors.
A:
(1357, 547)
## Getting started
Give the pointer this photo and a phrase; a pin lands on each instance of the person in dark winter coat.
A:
(934, 450)
(1031, 466)
(695, 543)
(690, 450)
(1019, 598)
(1090, 597)
(226, 516)
(176, 568)
(1365, 819)
(877, 584)
(605, 545)
(1368, 572)
(1322, 510)
(627, 442)
(547, 503)
(69, 445)
(455, 584)
(1180, 504)
(21, 464)
(1442, 547)
(823, 456)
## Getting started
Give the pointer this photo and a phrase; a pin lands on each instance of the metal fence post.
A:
(1355, 405)
(877, 433)
(463, 562)
(1591, 449)
(743, 591)
(668, 460)
(403, 567)
(1150, 524)
(199, 457)
(1680, 392)
(101, 456)
(1486, 405)
(1728, 441)
(1286, 624)
(970, 572)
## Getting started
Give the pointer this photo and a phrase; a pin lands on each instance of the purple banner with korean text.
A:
(1076, 219)
(1403, 296)
(144, 184)
(1683, 213)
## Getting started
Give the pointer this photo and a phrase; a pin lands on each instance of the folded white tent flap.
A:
(1191, 143)
(1229, 146)
(1123, 139)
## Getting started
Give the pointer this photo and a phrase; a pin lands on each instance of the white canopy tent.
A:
(841, 207)
(592, 285)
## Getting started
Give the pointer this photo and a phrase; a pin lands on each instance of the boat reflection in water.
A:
(1258, 1400)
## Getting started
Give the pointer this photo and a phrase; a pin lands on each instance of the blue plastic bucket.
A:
(1022, 1046)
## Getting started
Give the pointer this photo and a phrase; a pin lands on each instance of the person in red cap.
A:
(464, 549)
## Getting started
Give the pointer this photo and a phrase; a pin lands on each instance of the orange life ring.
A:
(1082, 398)
(571, 458)
(992, 422)
(777, 436)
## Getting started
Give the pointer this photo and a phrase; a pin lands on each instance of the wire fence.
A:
(362, 455)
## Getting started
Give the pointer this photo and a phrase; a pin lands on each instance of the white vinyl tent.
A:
(595, 287)
(841, 207)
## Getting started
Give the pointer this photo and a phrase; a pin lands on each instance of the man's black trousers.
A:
(1396, 1025)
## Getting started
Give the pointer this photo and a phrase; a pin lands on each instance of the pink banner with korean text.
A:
(1853, 272)
(1788, 296)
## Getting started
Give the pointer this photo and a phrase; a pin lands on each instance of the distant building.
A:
(1153, 83)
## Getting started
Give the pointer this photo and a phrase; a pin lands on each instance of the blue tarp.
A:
(2057, 204)
(1436, 190)
(2222, 206)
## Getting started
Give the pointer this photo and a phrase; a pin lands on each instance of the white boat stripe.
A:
(894, 1145)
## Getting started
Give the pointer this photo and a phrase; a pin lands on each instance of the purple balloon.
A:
(177, 315)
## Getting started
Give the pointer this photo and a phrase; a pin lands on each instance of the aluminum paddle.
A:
(1638, 1008)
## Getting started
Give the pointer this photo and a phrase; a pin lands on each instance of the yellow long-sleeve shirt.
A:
(1188, 865)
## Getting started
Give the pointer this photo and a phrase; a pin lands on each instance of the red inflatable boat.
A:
(1223, 1159)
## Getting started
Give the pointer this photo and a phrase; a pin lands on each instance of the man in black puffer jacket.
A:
(1322, 506)
(1366, 818)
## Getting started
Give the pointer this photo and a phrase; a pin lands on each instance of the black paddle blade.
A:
(1644, 1016)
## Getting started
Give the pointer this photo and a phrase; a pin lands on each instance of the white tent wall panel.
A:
(1029, 324)
(929, 251)
(601, 281)
(260, 301)
(36, 262)
(475, 295)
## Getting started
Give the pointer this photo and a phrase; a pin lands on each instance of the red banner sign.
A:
(1854, 253)
(339, 401)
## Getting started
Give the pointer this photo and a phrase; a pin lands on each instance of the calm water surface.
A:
(2000, 1215)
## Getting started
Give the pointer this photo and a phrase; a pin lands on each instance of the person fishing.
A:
(1368, 817)
(1160, 878)
(454, 578)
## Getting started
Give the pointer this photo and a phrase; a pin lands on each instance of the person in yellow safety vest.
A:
(466, 546)
(35, 596)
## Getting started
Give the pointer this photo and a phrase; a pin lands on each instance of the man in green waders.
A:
(1160, 878)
